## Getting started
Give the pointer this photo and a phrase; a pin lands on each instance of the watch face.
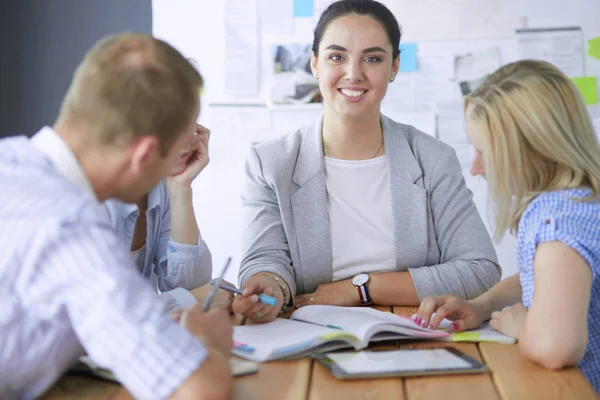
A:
(360, 279)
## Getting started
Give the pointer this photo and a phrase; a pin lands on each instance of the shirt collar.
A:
(62, 158)
(154, 201)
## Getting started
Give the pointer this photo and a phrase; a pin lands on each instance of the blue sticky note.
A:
(408, 57)
(303, 8)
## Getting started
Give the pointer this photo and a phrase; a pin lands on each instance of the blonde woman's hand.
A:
(464, 314)
(510, 320)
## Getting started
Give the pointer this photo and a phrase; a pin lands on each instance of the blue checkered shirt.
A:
(556, 216)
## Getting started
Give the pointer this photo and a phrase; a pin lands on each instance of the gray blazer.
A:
(440, 238)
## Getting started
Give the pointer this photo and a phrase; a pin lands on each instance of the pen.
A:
(216, 287)
(315, 323)
(263, 298)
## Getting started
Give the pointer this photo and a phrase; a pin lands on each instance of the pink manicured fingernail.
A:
(423, 324)
(454, 326)
(254, 298)
(417, 321)
(430, 326)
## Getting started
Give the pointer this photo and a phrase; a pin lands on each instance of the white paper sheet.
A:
(276, 16)
(456, 19)
(451, 123)
(241, 48)
(597, 127)
(419, 91)
(471, 68)
(562, 47)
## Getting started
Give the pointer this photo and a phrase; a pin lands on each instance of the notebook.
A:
(320, 328)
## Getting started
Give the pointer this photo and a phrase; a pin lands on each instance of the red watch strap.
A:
(363, 292)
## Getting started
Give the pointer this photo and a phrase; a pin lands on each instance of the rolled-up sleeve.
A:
(117, 317)
(180, 265)
(469, 265)
(265, 245)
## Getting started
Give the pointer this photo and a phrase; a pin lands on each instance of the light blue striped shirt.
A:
(67, 285)
(176, 266)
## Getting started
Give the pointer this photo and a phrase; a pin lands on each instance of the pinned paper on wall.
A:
(408, 57)
(241, 43)
(596, 123)
(588, 88)
(470, 69)
(303, 8)
(562, 47)
(594, 47)
(276, 16)
(320, 6)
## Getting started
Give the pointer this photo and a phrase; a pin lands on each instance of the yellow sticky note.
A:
(588, 88)
(594, 47)
(334, 335)
(465, 336)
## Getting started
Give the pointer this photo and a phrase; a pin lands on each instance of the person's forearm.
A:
(394, 289)
(184, 228)
(505, 293)
(212, 380)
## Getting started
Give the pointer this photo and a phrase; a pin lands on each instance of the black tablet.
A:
(409, 362)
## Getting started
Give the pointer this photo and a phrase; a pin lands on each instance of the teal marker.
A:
(263, 298)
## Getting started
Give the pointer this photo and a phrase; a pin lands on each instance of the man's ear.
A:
(144, 152)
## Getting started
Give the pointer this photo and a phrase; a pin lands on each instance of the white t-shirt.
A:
(360, 216)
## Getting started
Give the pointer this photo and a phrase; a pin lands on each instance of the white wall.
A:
(196, 28)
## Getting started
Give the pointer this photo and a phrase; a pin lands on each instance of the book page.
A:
(484, 333)
(362, 322)
(282, 338)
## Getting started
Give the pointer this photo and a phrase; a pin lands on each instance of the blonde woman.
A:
(536, 146)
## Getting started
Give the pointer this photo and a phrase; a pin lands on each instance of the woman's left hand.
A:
(510, 320)
(342, 293)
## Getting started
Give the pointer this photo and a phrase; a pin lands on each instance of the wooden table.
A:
(510, 377)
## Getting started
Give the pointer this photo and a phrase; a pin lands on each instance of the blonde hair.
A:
(537, 137)
(130, 85)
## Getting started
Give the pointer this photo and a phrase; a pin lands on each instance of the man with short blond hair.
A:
(67, 285)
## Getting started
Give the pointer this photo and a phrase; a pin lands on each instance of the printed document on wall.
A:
(562, 47)
(241, 48)
(451, 123)
(419, 91)
(456, 19)
(276, 16)
(470, 69)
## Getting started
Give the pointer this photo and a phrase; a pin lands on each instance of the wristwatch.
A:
(360, 281)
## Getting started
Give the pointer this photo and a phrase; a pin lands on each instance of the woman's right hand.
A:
(464, 314)
(248, 304)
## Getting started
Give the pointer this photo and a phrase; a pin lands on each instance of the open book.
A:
(318, 329)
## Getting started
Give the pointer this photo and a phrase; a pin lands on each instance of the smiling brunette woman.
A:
(355, 208)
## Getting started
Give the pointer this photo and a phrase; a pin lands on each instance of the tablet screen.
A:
(374, 362)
